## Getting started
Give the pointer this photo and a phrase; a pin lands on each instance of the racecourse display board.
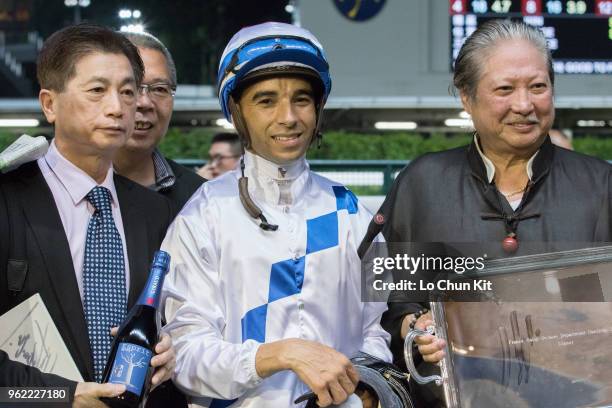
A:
(579, 32)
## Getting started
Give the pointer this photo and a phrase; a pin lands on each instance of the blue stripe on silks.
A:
(286, 278)
(254, 324)
(322, 232)
(219, 403)
(345, 199)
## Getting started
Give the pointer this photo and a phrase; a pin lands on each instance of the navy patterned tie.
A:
(104, 290)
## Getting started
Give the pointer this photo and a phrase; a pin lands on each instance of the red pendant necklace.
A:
(510, 242)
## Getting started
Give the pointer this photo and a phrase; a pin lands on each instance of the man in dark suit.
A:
(60, 215)
(140, 160)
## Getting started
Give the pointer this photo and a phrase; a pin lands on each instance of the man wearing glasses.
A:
(139, 159)
(224, 153)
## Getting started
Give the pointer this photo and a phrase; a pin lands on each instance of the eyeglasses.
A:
(219, 158)
(158, 90)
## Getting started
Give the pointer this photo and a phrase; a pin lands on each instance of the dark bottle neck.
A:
(151, 293)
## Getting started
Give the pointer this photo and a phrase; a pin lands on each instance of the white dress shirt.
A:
(233, 286)
(69, 186)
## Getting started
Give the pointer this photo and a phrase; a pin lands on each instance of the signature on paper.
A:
(29, 344)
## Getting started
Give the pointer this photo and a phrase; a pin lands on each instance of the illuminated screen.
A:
(579, 32)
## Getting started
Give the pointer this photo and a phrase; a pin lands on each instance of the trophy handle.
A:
(409, 358)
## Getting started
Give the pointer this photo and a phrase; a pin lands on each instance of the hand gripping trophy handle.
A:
(408, 350)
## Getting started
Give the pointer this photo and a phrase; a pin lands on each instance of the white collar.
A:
(267, 169)
(267, 179)
(76, 182)
(490, 167)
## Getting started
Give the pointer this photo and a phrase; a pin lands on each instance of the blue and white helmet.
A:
(270, 46)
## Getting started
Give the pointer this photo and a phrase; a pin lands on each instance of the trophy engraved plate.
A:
(553, 352)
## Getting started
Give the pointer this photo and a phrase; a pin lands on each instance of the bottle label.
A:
(151, 292)
(130, 367)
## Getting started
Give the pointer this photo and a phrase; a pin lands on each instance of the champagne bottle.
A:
(131, 352)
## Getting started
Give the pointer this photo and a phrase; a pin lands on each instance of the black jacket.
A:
(30, 226)
(187, 182)
(446, 197)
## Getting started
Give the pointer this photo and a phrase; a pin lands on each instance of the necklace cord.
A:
(511, 221)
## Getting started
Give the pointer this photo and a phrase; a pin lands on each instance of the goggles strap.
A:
(248, 203)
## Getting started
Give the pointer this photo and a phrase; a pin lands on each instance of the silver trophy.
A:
(542, 338)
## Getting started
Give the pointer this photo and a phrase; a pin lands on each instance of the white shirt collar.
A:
(267, 169)
(276, 184)
(76, 182)
(490, 167)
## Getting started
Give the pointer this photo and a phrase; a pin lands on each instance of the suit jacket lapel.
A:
(46, 225)
(135, 229)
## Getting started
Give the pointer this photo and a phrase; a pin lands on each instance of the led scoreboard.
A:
(579, 32)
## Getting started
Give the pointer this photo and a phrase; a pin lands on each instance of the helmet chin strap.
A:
(317, 132)
(243, 183)
(239, 124)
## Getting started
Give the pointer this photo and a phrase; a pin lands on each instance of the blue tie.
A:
(105, 300)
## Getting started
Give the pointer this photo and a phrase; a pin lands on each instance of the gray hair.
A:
(478, 46)
(149, 41)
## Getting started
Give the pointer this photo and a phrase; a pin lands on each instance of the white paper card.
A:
(29, 336)
(25, 149)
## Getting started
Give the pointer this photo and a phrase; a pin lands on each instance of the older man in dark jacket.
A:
(510, 186)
